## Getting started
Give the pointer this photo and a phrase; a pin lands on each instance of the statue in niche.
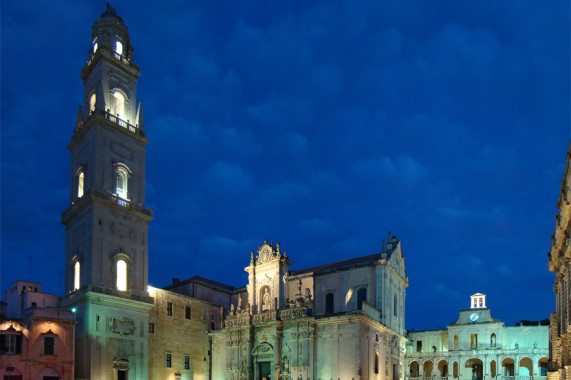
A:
(231, 309)
(239, 303)
(299, 287)
(266, 299)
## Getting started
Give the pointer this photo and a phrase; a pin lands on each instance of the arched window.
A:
(329, 303)
(80, 183)
(121, 275)
(118, 47)
(92, 100)
(395, 305)
(376, 359)
(122, 182)
(76, 274)
(361, 296)
(119, 104)
(455, 342)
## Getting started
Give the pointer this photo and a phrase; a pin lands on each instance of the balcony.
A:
(108, 292)
(94, 194)
(114, 120)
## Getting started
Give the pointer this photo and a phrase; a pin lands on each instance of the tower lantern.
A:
(478, 301)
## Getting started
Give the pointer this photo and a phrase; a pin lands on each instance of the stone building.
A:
(559, 263)
(36, 335)
(340, 320)
(478, 346)
(178, 339)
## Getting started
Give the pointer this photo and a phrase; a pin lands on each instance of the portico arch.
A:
(508, 367)
(525, 367)
(413, 368)
(455, 370)
(476, 366)
(443, 368)
(427, 369)
(543, 366)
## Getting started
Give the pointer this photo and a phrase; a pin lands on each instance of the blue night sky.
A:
(319, 124)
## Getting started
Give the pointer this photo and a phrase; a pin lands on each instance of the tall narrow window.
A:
(376, 359)
(92, 100)
(168, 360)
(119, 103)
(473, 341)
(122, 183)
(186, 362)
(76, 273)
(95, 46)
(80, 183)
(118, 47)
(169, 308)
(395, 305)
(361, 296)
(455, 342)
(187, 312)
(329, 303)
(49, 345)
(121, 275)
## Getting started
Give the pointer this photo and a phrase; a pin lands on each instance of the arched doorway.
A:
(414, 369)
(263, 357)
(455, 370)
(475, 369)
(427, 369)
(525, 367)
(508, 367)
(543, 366)
(443, 368)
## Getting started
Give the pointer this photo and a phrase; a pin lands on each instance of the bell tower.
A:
(106, 222)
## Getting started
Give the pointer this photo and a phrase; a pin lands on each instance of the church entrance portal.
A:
(265, 370)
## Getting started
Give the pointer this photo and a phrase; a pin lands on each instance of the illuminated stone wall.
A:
(175, 334)
(560, 264)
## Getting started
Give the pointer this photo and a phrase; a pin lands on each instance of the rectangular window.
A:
(187, 312)
(186, 362)
(10, 344)
(49, 345)
(169, 308)
(419, 346)
(151, 328)
(474, 341)
(168, 361)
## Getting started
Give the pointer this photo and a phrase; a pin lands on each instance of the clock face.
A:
(474, 317)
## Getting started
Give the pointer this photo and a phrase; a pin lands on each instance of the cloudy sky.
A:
(319, 124)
